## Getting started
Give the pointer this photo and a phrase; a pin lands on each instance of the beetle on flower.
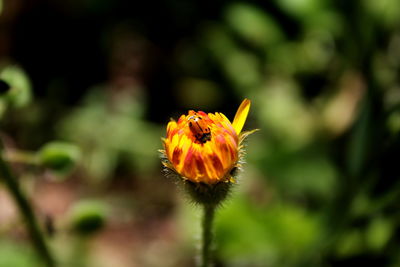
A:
(205, 148)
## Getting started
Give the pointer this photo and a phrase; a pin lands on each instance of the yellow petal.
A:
(241, 115)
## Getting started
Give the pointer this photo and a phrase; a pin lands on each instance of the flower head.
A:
(205, 148)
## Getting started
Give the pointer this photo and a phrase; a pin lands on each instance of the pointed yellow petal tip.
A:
(241, 115)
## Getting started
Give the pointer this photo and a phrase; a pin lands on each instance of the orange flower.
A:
(205, 148)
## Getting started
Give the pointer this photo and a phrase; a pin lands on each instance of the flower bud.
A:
(19, 92)
(204, 151)
(87, 217)
(60, 157)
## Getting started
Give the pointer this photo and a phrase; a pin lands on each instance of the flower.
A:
(205, 148)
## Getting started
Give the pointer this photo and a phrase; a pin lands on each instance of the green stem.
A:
(19, 156)
(26, 211)
(207, 235)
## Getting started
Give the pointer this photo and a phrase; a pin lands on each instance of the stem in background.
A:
(26, 211)
(207, 235)
(19, 156)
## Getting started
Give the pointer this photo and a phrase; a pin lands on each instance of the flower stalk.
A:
(207, 235)
(26, 211)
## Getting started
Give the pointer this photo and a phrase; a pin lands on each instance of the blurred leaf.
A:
(284, 113)
(314, 15)
(316, 51)
(378, 233)
(242, 69)
(350, 243)
(252, 24)
(386, 12)
(14, 254)
(325, 20)
(308, 175)
(301, 8)
(393, 123)
(361, 206)
(277, 234)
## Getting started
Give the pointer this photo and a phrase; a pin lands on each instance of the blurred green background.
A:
(321, 184)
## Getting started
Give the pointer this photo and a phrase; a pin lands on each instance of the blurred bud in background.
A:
(15, 88)
(59, 157)
(87, 217)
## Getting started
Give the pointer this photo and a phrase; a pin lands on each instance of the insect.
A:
(199, 129)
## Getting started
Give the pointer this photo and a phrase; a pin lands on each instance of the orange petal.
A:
(241, 115)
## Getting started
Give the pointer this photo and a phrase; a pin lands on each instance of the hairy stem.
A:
(25, 210)
(207, 235)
